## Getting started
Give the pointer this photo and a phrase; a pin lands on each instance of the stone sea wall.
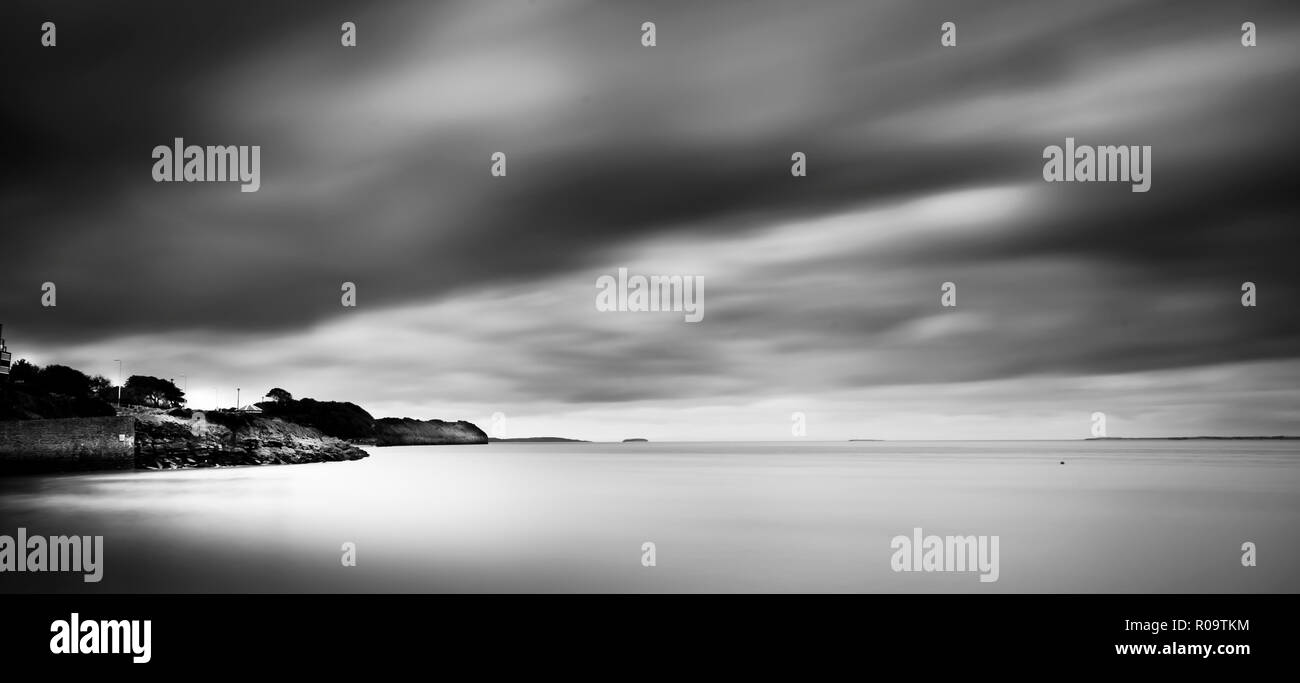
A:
(70, 444)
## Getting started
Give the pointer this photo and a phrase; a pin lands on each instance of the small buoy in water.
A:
(1062, 462)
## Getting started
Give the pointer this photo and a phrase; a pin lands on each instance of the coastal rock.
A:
(228, 439)
(405, 431)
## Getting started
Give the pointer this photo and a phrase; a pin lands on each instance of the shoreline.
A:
(156, 439)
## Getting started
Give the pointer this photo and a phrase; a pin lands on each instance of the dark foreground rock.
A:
(226, 439)
(405, 431)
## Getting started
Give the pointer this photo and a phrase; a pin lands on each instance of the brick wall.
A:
(69, 444)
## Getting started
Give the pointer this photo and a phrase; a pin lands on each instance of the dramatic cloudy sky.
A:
(476, 294)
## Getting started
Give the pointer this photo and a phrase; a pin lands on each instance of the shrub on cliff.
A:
(24, 372)
(338, 419)
(61, 379)
(229, 419)
(29, 403)
(54, 391)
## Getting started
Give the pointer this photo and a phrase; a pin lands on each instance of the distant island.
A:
(537, 439)
(635, 440)
(866, 439)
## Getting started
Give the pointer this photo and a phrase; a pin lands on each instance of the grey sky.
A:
(476, 294)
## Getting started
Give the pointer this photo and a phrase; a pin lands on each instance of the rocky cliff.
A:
(224, 439)
(404, 431)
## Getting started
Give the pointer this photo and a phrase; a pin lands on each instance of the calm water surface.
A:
(1131, 516)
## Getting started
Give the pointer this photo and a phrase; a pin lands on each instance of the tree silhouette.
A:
(151, 391)
(61, 379)
(279, 395)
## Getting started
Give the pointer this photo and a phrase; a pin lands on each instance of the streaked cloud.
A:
(821, 292)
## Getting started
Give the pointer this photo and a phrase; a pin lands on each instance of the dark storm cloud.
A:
(375, 170)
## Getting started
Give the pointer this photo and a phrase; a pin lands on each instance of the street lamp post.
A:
(236, 399)
(119, 382)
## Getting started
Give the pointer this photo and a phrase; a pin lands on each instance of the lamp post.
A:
(236, 399)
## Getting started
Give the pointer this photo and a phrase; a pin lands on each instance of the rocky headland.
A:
(57, 418)
(217, 439)
(405, 431)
